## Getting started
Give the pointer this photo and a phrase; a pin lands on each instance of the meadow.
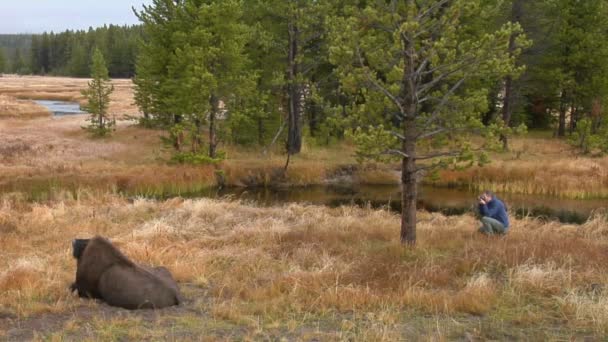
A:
(293, 271)
(303, 272)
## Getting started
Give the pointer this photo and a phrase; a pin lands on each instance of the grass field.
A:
(295, 271)
(303, 272)
(66, 89)
(11, 107)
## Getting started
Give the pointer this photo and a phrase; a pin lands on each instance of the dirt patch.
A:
(73, 324)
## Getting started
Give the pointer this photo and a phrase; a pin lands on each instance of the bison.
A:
(103, 272)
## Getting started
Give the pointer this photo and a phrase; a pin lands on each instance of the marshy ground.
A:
(294, 271)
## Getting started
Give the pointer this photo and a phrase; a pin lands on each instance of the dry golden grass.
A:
(543, 166)
(67, 89)
(55, 152)
(296, 270)
(11, 107)
(316, 165)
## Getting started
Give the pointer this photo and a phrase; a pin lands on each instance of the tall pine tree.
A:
(98, 97)
(419, 63)
(194, 47)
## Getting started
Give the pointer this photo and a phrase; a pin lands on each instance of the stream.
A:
(444, 200)
(61, 108)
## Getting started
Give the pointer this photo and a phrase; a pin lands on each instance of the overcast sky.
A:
(36, 16)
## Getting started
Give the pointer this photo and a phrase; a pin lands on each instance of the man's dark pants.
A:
(491, 226)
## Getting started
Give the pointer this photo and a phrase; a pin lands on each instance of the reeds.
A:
(548, 167)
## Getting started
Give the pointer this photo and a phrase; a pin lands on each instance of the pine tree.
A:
(77, 64)
(98, 97)
(416, 66)
(3, 62)
(144, 88)
(213, 63)
(35, 64)
(45, 54)
(295, 30)
(198, 49)
(517, 9)
(154, 82)
(19, 65)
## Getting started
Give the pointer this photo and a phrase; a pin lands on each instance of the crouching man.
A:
(494, 217)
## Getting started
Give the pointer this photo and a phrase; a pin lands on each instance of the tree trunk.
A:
(561, 129)
(212, 129)
(294, 133)
(490, 115)
(410, 105)
(179, 137)
(573, 118)
(596, 115)
(409, 194)
(260, 132)
(196, 139)
(507, 108)
(312, 120)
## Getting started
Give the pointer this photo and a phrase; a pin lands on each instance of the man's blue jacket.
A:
(496, 210)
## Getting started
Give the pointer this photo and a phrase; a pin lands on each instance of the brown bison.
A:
(103, 272)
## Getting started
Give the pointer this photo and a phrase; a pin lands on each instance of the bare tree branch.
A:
(397, 135)
(439, 154)
(397, 152)
(277, 135)
(432, 134)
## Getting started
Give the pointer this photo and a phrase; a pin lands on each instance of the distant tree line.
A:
(14, 51)
(69, 53)
(565, 82)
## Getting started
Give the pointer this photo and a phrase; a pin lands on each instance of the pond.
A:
(61, 108)
(444, 200)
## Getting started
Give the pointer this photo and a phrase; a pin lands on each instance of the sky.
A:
(37, 16)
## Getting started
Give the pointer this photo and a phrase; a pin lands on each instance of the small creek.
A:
(444, 200)
(61, 108)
